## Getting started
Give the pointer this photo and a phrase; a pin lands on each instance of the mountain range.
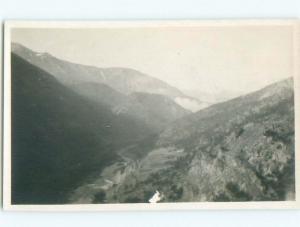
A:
(123, 80)
(82, 134)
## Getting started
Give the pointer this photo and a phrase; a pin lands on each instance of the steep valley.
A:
(82, 134)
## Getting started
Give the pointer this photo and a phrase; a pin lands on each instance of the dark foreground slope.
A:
(240, 150)
(59, 137)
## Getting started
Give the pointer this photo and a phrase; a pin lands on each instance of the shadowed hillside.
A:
(59, 137)
(156, 111)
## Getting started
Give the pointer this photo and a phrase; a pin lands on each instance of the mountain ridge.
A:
(124, 80)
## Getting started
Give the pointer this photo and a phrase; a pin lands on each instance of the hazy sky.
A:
(209, 59)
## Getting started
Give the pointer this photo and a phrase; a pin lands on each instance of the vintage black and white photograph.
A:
(150, 113)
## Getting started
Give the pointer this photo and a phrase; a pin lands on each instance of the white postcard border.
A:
(143, 206)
